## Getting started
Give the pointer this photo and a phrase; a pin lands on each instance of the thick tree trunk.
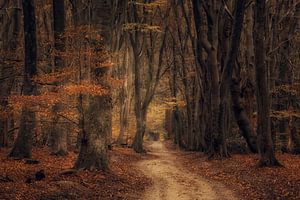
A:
(204, 85)
(217, 143)
(140, 120)
(249, 62)
(93, 148)
(217, 146)
(9, 43)
(176, 125)
(98, 117)
(227, 65)
(140, 132)
(265, 143)
(23, 144)
(241, 117)
(230, 60)
(58, 133)
(136, 69)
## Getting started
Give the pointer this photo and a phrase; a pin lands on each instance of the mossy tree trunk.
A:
(93, 148)
(98, 115)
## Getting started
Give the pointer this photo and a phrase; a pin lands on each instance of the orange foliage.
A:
(85, 88)
(56, 76)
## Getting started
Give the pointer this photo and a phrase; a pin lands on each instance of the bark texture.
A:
(23, 143)
(98, 116)
(58, 133)
(265, 143)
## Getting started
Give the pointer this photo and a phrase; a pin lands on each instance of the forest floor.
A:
(174, 181)
(241, 174)
(124, 181)
(163, 173)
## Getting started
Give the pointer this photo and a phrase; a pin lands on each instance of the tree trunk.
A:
(3, 132)
(294, 127)
(249, 62)
(98, 117)
(241, 117)
(140, 132)
(136, 69)
(93, 148)
(140, 122)
(265, 143)
(9, 43)
(224, 108)
(125, 98)
(123, 116)
(216, 139)
(59, 135)
(23, 144)
(230, 60)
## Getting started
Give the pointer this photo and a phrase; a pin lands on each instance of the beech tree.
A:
(9, 37)
(265, 143)
(227, 73)
(23, 143)
(58, 134)
(98, 127)
(143, 36)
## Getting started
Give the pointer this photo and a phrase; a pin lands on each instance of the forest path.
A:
(171, 181)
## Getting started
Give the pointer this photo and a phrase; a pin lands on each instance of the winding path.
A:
(173, 182)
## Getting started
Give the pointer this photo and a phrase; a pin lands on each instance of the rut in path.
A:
(172, 182)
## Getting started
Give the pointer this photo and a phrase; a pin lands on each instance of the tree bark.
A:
(294, 136)
(125, 98)
(140, 119)
(58, 133)
(93, 148)
(23, 143)
(265, 143)
(140, 132)
(228, 70)
(98, 117)
(247, 131)
(9, 41)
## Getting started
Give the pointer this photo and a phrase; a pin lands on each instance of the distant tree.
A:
(143, 38)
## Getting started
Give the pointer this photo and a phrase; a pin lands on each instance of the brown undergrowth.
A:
(124, 181)
(241, 174)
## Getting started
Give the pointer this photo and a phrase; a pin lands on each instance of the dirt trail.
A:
(172, 182)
